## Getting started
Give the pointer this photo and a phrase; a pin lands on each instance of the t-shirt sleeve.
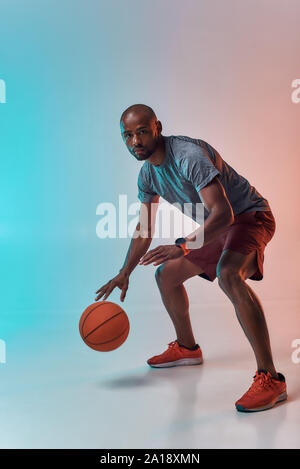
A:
(197, 167)
(145, 191)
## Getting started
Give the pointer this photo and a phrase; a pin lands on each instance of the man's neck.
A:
(160, 153)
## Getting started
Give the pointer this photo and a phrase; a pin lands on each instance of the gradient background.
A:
(211, 69)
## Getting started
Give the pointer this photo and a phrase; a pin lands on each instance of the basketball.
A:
(104, 326)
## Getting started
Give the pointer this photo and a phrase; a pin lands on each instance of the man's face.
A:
(140, 134)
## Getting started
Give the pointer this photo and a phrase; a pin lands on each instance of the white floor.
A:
(55, 392)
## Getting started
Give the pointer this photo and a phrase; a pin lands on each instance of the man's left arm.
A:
(221, 215)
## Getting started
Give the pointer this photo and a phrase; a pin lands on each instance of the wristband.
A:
(181, 243)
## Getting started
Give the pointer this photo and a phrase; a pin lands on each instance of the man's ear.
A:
(158, 126)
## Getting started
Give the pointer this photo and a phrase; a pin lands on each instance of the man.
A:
(238, 225)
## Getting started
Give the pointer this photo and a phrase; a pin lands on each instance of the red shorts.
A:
(250, 231)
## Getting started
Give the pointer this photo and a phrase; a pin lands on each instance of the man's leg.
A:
(170, 277)
(232, 270)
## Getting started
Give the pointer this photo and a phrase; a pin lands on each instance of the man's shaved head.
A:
(141, 132)
(141, 109)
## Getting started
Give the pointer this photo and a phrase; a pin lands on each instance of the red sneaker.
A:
(263, 394)
(176, 355)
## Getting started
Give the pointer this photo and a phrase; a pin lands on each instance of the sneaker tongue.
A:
(262, 371)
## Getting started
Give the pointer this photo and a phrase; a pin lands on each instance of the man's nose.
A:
(135, 140)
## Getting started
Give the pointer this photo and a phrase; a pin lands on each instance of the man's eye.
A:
(129, 135)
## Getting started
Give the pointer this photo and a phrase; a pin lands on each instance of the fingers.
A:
(108, 292)
(160, 261)
(104, 286)
(124, 290)
(152, 258)
(99, 296)
(101, 292)
(150, 255)
(118, 281)
(105, 290)
(123, 294)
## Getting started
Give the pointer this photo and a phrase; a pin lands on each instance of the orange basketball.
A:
(104, 326)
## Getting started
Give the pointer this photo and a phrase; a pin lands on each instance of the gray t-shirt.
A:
(189, 165)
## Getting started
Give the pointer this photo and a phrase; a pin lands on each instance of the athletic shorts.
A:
(250, 231)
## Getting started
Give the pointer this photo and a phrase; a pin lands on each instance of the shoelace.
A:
(172, 344)
(261, 381)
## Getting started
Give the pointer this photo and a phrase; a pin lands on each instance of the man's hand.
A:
(161, 254)
(121, 281)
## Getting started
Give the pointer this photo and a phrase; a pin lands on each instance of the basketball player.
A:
(238, 224)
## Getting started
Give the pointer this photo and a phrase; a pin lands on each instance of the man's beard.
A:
(148, 153)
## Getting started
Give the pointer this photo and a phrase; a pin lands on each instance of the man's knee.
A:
(228, 276)
(165, 274)
(158, 273)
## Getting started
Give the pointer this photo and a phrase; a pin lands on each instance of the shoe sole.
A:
(181, 362)
(280, 398)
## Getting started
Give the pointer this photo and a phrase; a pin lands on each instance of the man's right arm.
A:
(142, 236)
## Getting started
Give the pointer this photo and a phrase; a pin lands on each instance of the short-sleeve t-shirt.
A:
(189, 165)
